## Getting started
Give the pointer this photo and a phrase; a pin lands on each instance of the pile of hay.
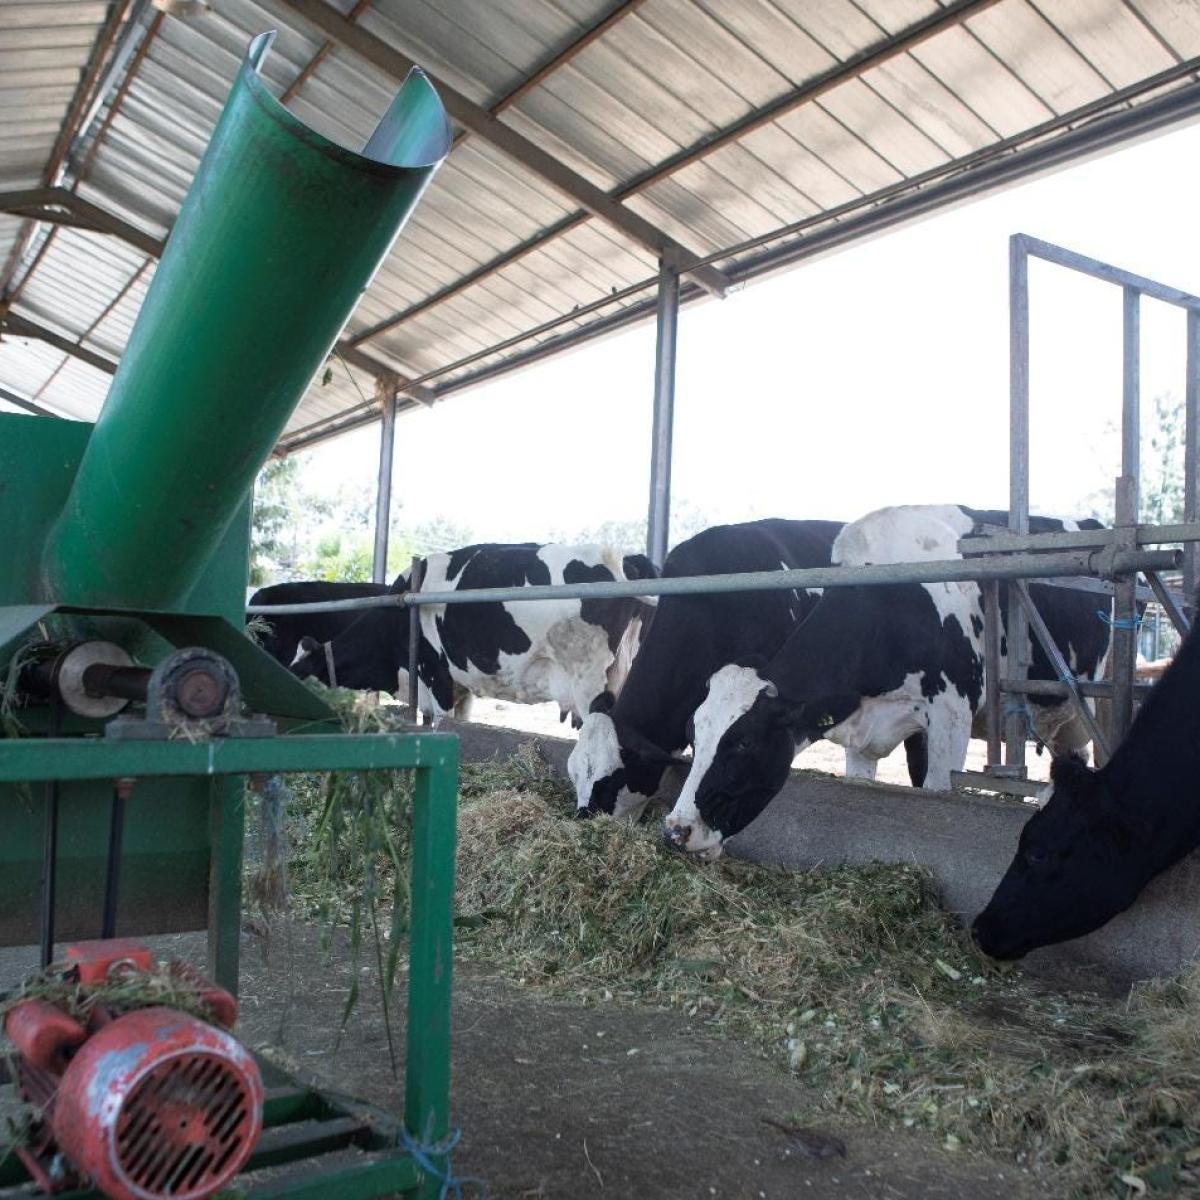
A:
(854, 979)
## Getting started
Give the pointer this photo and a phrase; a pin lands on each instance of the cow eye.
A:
(1036, 858)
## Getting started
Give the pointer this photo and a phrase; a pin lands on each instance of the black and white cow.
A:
(624, 746)
(285, 631)
(1102, 835)
(872, 667)
(565, 651)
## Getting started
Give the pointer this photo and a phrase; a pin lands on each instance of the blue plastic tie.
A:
(423, 1155)
(1133, 623)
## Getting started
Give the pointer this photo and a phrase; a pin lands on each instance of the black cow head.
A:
(1080, 861)
(754, 755)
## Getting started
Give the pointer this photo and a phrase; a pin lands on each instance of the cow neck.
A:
(1152, 775)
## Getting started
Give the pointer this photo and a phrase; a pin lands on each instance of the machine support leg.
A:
(226, 803)
(1018, 467)
(383, 494)
(427, 1066)
(112, 873)
(50, 852)
(659, 523)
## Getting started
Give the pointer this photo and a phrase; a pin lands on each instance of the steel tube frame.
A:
(955, 570)
(1168, 605)
(658, 524)
(383, 492)
(1191, 453)
(1018, 482)
(434, 758)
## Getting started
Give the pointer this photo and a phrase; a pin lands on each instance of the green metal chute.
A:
(279, 236)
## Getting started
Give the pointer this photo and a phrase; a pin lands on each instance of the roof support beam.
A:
(853, 68)
(20, 326)
(479, 121)
(57, 206)
(11, 397)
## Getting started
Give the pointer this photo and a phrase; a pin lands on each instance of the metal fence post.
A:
(385, 393)
(416, 577)
(1124, 633)
(1018, 480)
(1191, 455)
(659, 522)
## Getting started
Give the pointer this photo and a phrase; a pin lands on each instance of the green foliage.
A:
(1161, 500)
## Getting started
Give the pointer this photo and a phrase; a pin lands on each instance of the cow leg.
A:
(948, 740)
(916, 751)
(630, 806)
(860, 765)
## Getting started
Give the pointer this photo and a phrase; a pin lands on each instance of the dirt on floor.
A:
(560, 1100)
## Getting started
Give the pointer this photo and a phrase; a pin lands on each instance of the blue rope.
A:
(1134, 623)
(423, 1154)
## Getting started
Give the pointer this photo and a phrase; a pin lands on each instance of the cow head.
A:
(613, 767)
(746, 737)
(311, 661)
(1079, 862)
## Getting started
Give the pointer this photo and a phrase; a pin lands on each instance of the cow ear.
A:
(308, 644)
(603, 703)
(1071, 774)
(642, 746)
(756, 662)
(815, 718)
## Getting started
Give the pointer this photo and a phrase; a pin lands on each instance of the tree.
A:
(275, 499)
(1161, 498)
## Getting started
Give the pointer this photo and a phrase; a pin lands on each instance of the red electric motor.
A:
(145, 1104)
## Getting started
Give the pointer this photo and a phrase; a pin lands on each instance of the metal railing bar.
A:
(1097, 689)
(1170, 603)
(1064, 672)
(958, 570)
(1073, 539)
(1108, 273)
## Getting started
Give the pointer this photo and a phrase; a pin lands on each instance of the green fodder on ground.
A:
(854, 978)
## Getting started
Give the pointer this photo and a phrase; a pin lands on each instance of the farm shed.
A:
(611, 161)
(610, 164)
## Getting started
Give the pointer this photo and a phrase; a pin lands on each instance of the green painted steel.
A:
(431, 957)
(278, 237)
(36, 760)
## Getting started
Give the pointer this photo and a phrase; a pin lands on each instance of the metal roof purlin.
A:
(66, 133)
(57, 206)
(19, 326)
(478, 120)
(900, 43)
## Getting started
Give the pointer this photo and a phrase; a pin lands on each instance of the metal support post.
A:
(431, 952)
(385, 393)
(659, 523)
(991, 672)
(1124, 631)
(416, 576)
(1167, 605)
(1018, 467)
(1191, 456)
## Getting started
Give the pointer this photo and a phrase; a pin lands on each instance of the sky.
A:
(876, 375)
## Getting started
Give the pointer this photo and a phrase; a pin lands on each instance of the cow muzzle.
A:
(704, 844)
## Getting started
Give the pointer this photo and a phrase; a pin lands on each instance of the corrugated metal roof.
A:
(753, 130)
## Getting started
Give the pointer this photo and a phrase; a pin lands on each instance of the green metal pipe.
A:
(278, 238)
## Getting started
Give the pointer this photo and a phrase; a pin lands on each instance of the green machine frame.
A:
(135, 532)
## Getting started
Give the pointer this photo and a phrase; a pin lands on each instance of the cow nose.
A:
(676, 836)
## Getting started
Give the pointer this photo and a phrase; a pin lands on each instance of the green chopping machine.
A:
(133, 703)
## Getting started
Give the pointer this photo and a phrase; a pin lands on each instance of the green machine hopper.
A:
(133, 705)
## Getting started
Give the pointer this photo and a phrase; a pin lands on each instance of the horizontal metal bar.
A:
(32, 760)
(1084, 583)
(1072, 539)
(1053, 687)
(982, 781)
(1107, 272)
(361, 1179)
(1071, 562)
(20, 326)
